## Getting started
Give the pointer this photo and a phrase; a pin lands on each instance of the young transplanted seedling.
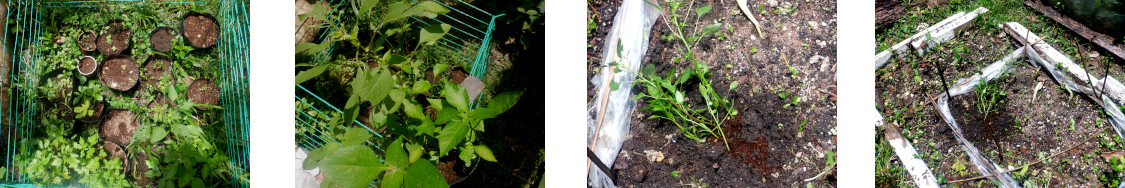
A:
(666, 94)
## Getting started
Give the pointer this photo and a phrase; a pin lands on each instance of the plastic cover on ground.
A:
(613, 110)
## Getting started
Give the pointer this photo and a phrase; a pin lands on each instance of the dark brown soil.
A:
(87, 42)
(457, 76)
(119, 126)
(87, 65)
(762, 153)
(119, 73)
(203, 92)
(121, 39)
(200, 31)
(155, 68)
(161, 39)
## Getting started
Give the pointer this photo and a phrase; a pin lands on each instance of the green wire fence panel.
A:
(466, 43)
(18, 110)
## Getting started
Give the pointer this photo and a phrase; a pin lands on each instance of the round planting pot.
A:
(161, 38)
(99, 113)
(119, 72)
(118, 126)
(155, 68)
(116, 39)
(203, 92)
(66, 80)
(200, 30)
(87, 65)
(88, 41)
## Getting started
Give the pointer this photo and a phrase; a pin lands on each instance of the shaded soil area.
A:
(773, 143)
(161, 39)
(203, 92)
(200, 30)
(1033, 122)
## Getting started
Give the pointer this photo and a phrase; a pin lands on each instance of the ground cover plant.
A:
(1015, 120)
(405, 117)
(722, 105)
(106, 128)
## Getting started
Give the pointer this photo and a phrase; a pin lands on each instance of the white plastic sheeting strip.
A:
(632, 27)
(1050, 59)
(994, 70)
(941, 32)
(906, 153)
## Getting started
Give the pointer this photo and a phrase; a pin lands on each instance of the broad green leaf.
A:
(187, 131)
(679, 97)
(415, 151)
(733, 85)
(395, 59)
(614, 85)
(703, 10)
(426, 128)
(451, 136)
(440, 68)
(424, 174)
(445, 115)
(479, 126)
(433, 7)
(366, 5)
(351, 166)
(393, 179)
(485, 153)
(684, 76)
(466, 155)
(430, 34)
(497, 105)
(352, 101)
(397, 161)
(420, 87)
(456, 96)
(158, 133)
(355, 136)
(373, 86)
(414, 110)
(711, 29)
(304, 46)
(650, 70)
(435, 103)
(311, 73)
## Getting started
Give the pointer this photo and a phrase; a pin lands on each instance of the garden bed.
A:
(773, 140)
(1036, 118)
(101, 131)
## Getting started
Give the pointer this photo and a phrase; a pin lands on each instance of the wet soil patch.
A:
(201, 30)
(203, 92)
(119, 73)
(161, 39)
(116, 38)
(762, 153)
(87, 42)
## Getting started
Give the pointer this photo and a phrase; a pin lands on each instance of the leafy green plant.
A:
(87, 98)
(666, 98)
(386, 76)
